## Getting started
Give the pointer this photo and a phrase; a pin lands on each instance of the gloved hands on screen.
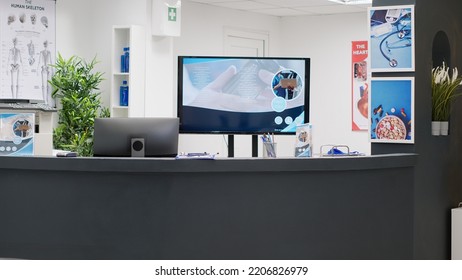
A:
(213, 97)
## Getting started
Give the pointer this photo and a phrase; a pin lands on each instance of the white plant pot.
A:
(444, 128)
(436, 128)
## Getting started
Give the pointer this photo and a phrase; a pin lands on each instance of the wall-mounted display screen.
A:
(242, 95)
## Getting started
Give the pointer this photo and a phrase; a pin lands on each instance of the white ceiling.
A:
(286, 7)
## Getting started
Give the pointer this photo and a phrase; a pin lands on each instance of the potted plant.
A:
(444, 91)
(76, 87)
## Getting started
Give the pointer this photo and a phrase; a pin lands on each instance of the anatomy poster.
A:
(391, 38)
(27, 38)
(360, 86)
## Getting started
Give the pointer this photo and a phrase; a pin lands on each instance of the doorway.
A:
(245, 43)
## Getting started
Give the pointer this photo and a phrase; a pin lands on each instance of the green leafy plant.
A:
(444, 91)
(76, 87)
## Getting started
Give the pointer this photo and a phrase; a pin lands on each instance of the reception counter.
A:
(239, 208)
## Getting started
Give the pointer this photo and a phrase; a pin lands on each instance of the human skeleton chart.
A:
(13, 68)
(26, 26)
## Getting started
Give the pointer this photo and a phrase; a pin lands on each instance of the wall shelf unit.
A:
(134, 37)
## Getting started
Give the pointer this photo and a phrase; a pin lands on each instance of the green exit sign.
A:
(171, 14)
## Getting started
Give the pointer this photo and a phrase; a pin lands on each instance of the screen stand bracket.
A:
(230, 145)
(254, 145)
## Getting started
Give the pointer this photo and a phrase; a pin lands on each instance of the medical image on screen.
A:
(242, 95)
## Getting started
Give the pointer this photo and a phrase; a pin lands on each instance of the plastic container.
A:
(127, 59)
(122, 63)
(124, 94)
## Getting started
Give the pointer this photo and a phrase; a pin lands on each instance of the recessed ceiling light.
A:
(352, 2)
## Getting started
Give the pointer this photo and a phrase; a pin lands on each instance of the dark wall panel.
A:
(438, 172)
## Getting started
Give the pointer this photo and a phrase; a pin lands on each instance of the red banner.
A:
(360, 85)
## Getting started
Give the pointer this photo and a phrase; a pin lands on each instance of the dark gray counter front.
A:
(122, 208)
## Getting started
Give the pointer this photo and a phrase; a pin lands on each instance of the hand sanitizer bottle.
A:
(124, 94)
(127, 59)
(122, 62)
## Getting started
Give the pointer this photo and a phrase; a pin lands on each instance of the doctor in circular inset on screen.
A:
(287, 84)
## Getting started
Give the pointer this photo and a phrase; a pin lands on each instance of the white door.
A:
(245, 43)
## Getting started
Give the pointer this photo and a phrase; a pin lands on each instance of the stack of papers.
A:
(195, 156)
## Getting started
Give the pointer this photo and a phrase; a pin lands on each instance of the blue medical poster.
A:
(391, 38)
(17, 134)
(392, 110)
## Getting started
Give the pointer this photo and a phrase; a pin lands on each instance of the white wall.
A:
(84, 28)
(203, 25)
(327, 41)
(202, 34)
